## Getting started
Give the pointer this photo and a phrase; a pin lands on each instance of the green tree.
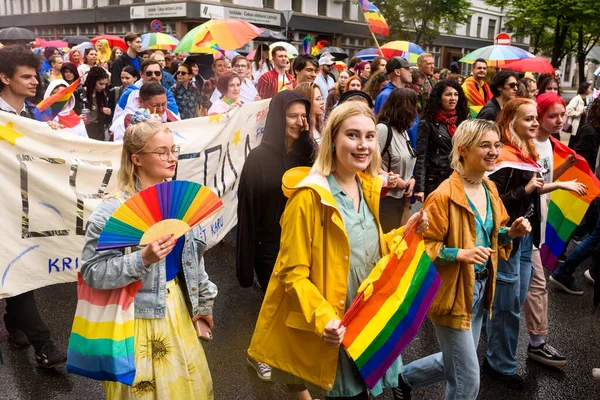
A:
(423, 19)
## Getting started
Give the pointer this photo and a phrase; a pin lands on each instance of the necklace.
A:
(472, 182)
(344, 190)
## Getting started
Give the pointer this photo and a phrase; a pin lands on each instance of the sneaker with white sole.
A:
(546, 355)
(262, 370)
(567, 287)
(588, 275)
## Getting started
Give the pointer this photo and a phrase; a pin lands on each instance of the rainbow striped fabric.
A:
(57, 101)
(374, 18)
(511, 157)
(390, 307)
(566, 209)
(101, 345)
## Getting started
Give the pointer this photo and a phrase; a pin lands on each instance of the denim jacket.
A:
(117, 268)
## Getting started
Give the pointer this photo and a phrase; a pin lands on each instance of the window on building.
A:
(346, 10)
(468, 26)
(113, 2)
(297, 5)
(40, 5)
(48, 7)
(491, 29)
(227, 1)
(452, 27)
(322, 7)
(269, 4)
(137, 1)
(479, 23)
(84, 3)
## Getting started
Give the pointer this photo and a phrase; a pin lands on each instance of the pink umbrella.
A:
(251, 55)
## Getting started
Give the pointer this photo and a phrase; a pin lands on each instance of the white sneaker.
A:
(588, 276)
(262, 370)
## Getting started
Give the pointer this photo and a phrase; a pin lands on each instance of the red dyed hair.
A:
(546, 100)
(353, 78)
(505, 120)
(360, 67)
(223, 82)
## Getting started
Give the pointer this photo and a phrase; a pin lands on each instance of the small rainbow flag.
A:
(511, 157)
(102, 344)
(566, 209)
(374, 18)
(58, 100)
(390, 307)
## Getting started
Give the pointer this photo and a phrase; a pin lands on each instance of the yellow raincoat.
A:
(308, 286)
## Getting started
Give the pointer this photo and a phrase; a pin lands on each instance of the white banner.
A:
(52, 181)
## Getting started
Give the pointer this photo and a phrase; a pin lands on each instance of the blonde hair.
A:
(136, 139)
(325, 163)
(422, 58)
(468, 135)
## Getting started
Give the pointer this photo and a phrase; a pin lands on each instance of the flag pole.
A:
(369, 25)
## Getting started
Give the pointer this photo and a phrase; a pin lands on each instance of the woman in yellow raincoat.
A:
(331, 240)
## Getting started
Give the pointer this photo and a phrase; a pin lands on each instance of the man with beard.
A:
(324, 80)
(476, 89)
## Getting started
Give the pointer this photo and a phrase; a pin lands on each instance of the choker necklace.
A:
(472, 182)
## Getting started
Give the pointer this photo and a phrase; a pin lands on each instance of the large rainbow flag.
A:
(566, 209)
(390, 307)
(374, 18)
(474, 96)
(58, 100)
(102, 345)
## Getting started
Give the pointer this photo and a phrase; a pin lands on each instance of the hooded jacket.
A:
(260, 199)
(67, 117)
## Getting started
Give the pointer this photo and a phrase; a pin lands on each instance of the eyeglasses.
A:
(181, 73)
(163, 152)
(487, 146)
(241, 66)
(155, 106)
(156, 73)
(512, 85)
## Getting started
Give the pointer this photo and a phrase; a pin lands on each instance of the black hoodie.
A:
(260, 198)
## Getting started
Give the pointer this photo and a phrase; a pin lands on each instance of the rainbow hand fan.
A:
(169, 207)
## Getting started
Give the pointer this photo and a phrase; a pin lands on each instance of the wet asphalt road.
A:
(574, 330)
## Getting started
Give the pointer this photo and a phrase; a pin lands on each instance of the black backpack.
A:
(386, 148)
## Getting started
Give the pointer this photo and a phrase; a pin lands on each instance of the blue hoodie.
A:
(171, 104)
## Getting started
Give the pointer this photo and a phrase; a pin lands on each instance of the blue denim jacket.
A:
(111, 269)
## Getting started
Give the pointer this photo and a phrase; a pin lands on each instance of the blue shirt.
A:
(173, 264)
(135, 62)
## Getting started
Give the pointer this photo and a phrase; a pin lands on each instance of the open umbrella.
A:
(158, 41)
(228, 34)
(251, 55)
(269, 35)
(338, 53)
(76, 39)
(367, 54)
(113, 41)
(229, 54)
(292, 52)
(496, 55)
(407, 50)
(339, 65)
(536, 64)
(16, 34)
(50, 43)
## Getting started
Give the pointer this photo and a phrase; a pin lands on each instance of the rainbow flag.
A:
(58, 100)
(474, 96)
(374, 18)
(390, 307)
(511, 157)
(566, 209)
(101, 345)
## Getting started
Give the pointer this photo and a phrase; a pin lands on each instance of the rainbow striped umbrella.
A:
(408, 50)
(158, 41)
(228, 34)
(496, 54)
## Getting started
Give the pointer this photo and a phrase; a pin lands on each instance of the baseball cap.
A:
(326, 59)
(397, 63)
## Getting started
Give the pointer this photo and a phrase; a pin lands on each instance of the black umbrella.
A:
(77, 39)
(271, 36)
(338, 53)
(16, 34)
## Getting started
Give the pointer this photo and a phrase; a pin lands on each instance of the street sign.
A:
(156, 25)
(502, 38)
(287, 14)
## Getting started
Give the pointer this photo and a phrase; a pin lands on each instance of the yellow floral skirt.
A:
(169, 359)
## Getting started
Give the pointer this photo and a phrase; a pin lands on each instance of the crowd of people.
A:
(345, 155)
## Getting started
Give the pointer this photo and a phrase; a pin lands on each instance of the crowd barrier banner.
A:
(52, 181)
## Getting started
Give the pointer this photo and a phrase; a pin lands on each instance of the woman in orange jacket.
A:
(467, 235)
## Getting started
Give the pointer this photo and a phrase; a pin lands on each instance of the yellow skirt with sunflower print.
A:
(169, 359)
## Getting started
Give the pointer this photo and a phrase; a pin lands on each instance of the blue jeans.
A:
(564, 272)
(512, 284)
(457, 362)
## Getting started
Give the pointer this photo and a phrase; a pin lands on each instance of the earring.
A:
(332, 148)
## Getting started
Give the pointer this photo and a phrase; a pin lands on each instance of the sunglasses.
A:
(181, 73)
(512, 85)
(156, 73)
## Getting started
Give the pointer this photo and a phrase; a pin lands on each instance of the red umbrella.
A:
(251, 55)
(535, 64)
(113, 41)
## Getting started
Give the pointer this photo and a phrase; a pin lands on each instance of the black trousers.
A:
(22, 314)
(362, 396)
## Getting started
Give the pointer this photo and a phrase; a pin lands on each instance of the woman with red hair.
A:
(363, 71)
(230, 85)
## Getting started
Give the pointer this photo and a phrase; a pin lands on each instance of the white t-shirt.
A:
(546, 160)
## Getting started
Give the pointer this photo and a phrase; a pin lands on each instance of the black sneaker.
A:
(16, 337)
(567, 287)
(402, 392)
(515, 381)
(547, 355)
(49, 357)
